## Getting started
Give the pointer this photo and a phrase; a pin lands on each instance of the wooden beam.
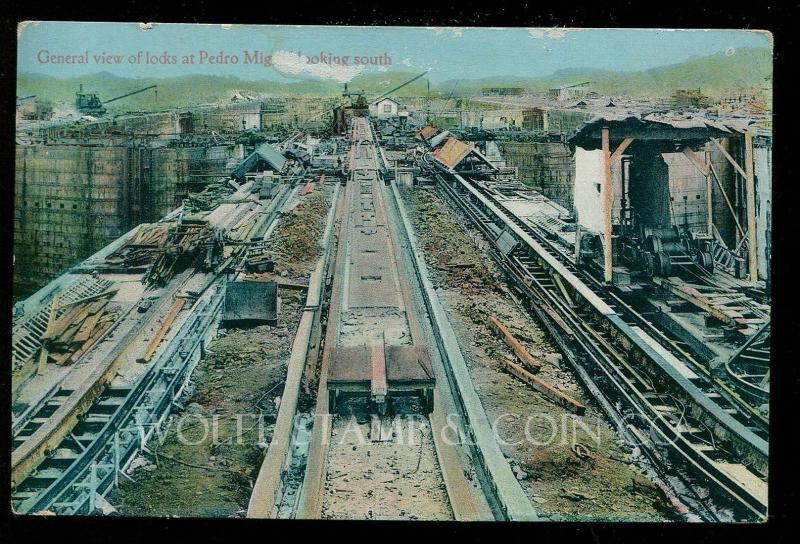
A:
(162, 331)
(518, 349)
(546, 388)
(51, 319)
(607, 192)
(750, 190)
(727, 200)
(730, 159)
(563, 289)
(620, 150)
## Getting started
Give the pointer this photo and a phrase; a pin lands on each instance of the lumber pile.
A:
(180, 249)
(141, 249)
(78, 327)
(209, 198)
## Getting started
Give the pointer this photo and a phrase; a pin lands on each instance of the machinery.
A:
(358, 106)
(657, 251)
(88, 103)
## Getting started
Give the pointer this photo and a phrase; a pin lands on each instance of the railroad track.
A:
(84, 466)
(104, 433)
(380, 470)
(695, 436)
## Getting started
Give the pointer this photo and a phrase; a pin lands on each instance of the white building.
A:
(386, 107)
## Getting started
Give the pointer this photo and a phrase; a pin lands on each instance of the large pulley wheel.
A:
(663, 264)
(705, 260)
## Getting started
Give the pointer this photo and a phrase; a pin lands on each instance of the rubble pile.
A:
(301, 230)
(209, 198)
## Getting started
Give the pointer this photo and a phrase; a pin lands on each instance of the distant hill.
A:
(745, 69)
(749, 68)
(196, 89)
(173, 92)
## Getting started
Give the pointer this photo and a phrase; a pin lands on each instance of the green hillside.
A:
(744, 69)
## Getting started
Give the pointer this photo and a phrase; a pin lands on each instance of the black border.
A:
(779, 19)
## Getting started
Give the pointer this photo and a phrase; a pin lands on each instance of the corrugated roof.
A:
(689, 130)
(426, 132)
(271, 155)
(452, 152)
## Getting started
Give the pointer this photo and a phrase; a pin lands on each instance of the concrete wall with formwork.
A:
(68, 202)
(588, 179)
(491, 119)
(687, 188)
(566, 121)
(734, 186)
(71, 200)
(548, 167)
(762, 159)
(665, 188)
(228, 118)
(223, 118)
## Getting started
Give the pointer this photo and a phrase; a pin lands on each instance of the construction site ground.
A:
(605, 479)
(234, 395)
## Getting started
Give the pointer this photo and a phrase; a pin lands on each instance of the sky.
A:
(289, 53)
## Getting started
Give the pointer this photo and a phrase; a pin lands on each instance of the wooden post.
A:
(606, 191)
(709, 194)
(750, 189)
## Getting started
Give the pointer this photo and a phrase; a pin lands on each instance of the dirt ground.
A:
(395, 479)
(602, 481)
(210, 452)
(295, 244)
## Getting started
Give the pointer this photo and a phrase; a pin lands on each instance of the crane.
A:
(89, 103)
(576, 85)
(384, 95)
(359, 105)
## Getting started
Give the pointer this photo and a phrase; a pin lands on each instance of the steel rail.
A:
(72, 492)
(573, 335)
(270, 482)
(499, 484)
(619, 314)
(100, 445)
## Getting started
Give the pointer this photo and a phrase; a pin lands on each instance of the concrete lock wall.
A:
(548, 167)
(657, 187)
(71, 200)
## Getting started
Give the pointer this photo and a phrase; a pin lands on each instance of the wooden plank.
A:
(87, 327)
(750, 196)
(168, 319)
(518, 349)
(730, 159)
(697, 299)
(542, 386)
(62, 323)
(620, 150)
(607, 192)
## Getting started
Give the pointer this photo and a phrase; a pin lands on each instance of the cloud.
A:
(454, 31)
(552, 33)
(295, 64)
